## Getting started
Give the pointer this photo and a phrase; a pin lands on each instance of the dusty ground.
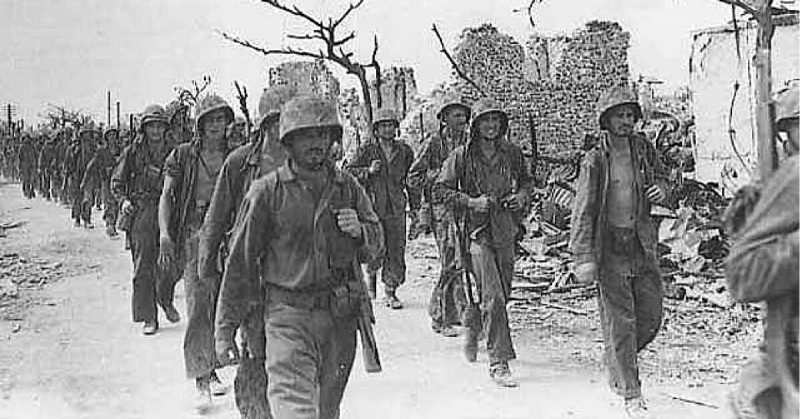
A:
(69, 350)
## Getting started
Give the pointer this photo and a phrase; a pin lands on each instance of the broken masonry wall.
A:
(398, 89)
(714, 69)
(306, 78)
(557, 83)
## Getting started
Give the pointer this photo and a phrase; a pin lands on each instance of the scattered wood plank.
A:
(566, 308)
(690, 401)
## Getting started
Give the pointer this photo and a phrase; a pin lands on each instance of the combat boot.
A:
(501, 375)
(392, 301)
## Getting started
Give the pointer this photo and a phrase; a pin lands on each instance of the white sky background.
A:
(71, 52)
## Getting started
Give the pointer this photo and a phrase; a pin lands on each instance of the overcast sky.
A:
(71, 52)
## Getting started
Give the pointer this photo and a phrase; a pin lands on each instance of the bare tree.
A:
(190, 96)
(332, 48)
(453, 63)
(60, 116)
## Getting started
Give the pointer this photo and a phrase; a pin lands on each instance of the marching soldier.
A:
(763, 266)
(382, 168)
(614, 239)
(486, 182)
(137, 182)
(27, 166)
(243, 166)
(45, 162)
(191, 173)
(447, 298)
(296, 245)
(98, 178)
(75, 163)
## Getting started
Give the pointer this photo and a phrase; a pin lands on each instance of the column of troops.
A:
(270, 234)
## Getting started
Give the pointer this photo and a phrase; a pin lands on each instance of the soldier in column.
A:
(447, 301)
(27, 166)
(44, 164)
(137, 182)
(191, 173)
(382, 168)
(613, 239)
(241, 168)
(487, 183)
(75, 163)
(296, 246)
(237, 133)
(98, 178)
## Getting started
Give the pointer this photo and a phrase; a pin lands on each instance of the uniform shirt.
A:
(386, 188)
(244, 165)
(434, 152)
(286, 240)
(27, 155)
(468, 173)
(139, 175)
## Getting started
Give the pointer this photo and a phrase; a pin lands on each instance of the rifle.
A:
(472, 313)
(364, 322)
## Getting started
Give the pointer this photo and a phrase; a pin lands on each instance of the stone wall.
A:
(555, 85)
(306, 77)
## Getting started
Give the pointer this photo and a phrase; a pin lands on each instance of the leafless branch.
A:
(453, 62)
(287, 51)
(295, 11)
(241, 94)
(345, 40)
(743, 5)
(529, 9)
(374, 64)
(346, 13)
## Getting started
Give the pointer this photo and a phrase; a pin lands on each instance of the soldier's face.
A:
(456, 118)
(309, 148)
(155, 132)
(386, 130)
(621, 120)
(214, 125)
(489, 126)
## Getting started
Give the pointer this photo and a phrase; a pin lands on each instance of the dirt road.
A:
(69, 350)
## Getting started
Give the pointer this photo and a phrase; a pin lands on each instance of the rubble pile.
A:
(552, 91)
(18, 272)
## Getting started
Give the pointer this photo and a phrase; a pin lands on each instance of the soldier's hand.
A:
(586, 273)
(375, 166)
(166, 251)
(515, 201)
(480, 204)
(347, 220)
(655, 194)
(127, 206)
(227, 352)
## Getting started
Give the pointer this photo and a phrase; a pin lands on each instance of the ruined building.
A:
(553, 87)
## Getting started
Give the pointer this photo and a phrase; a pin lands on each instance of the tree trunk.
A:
(362, 78)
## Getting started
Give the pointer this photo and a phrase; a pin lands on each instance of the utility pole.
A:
(108, 108)
(117, 114)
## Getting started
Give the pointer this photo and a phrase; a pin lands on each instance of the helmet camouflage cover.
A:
(309, 112)
(617, 96)
(484, 107)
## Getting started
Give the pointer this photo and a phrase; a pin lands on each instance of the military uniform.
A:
(621, 240)
(45, 164)
(447, 301)
(27, 166)
(387, 188)
(194, 179)
(138, 179)
(763, 266)
(75, 163)
(97, 180)
(287, 236)
(466, 174)
(242, 167)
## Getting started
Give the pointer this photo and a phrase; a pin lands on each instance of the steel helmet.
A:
(309, 112)
(385, 115)
(617, 96)
(484, 107)
(450, 105)
(109, 131)
(153, 113)
(787, 102)
(208, 104)
(272, 99)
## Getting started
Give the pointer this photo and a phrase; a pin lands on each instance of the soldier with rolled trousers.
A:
(75, 163)
(613, 239)
(137, 182)
(27, 165)
(382, 168)
(447, 301)
(763, 267)
(241, 168)
(191, 173)
(487, 183)
(296, 245)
